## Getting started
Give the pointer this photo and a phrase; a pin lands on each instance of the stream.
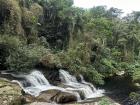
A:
(35, 82)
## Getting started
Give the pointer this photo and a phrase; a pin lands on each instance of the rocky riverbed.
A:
(12, 94)
(15, 93)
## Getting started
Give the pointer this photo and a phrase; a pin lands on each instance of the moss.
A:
(11, 12)
(36, 9)
(50, 60)
(30, 18)
(10, 93)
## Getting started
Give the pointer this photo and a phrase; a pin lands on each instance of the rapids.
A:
(35, 82)
(86, 88)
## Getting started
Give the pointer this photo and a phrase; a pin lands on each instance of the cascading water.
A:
(87, 83)
(86, 88)
(35, 82)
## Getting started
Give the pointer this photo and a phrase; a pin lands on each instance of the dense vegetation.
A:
(97, 42)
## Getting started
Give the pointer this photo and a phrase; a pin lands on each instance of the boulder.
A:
(64, 97)
(47, 96)
(9, 93)
(56, 96)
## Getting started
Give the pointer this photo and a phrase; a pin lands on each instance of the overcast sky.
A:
(126, 5)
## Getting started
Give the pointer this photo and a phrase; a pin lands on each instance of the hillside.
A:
(53, 34)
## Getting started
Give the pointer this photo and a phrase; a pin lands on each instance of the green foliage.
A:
(21, 57)
(79, 55)
(50, 60)
(135, 96)
(11, 41)
(136, 75)
(10, 13)
(26, 57)
(93, 75)
(132, 71)
(108, 67)
(77, 60)
(105, 101)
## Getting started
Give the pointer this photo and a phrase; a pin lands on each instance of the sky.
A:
(126, 5)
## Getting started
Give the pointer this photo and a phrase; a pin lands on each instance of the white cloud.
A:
(126, 5)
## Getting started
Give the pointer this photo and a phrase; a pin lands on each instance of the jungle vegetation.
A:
(97, 42)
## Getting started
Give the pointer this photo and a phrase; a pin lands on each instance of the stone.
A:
(42, 103)
(9, 92)
(64, 97)
(56, 96)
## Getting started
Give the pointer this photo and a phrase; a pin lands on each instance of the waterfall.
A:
(87, 83)
(86, 88)
(35, 82)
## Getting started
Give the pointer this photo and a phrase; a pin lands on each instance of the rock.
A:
(28, 99)
(9, 93)
(56, 96)
(49, 61)
(120, 73)
(47, 96)
(42, 103)
(64, 97)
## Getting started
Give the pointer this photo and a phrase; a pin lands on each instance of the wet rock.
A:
(56, 96)
(65, 97)
(47, 96)
(9, 93)
(42, 103)
(28, 99)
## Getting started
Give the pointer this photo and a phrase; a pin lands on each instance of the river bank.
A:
(16, 96)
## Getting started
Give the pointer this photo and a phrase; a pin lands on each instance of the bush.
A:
(26, 57)
(50, 60)
(92, 75)
(13, 42)
(77, 61)
(136, 75)
(135, 97)
(8, 44)
(79, 55)
(21, 56)
(10, 13)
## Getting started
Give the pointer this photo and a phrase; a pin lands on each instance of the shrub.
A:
(26, 57)
(50, 60)
(135, 97)
(136, 75)
(93, 75)
(11, 41)
(8, 45)
(10, 12)
(21, 56)
(37, 10)
(105, 101)
(77, 61)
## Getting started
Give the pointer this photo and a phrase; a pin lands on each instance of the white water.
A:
(86, 88)
(35, 82)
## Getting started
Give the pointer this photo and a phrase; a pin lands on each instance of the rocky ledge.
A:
(51, 96)
(10, 93)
